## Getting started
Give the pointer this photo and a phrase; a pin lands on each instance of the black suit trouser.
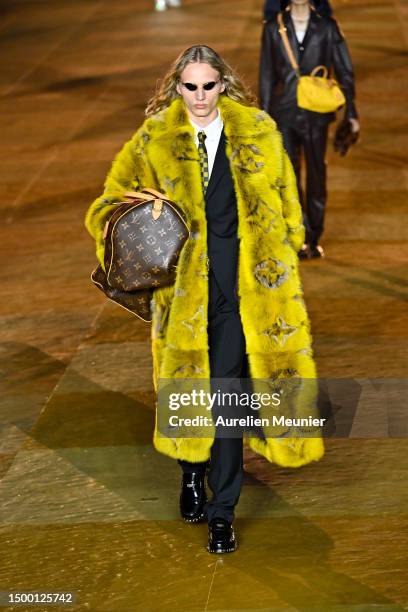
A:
(301, 133)
(227, 360)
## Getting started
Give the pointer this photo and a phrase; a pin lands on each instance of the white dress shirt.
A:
(300, 34)
(213, 132)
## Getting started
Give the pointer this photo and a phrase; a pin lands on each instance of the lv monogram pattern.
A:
(202, 152)
(142, 252)
(137, 302)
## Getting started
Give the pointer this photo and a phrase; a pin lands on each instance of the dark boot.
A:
(304, 252)
(193, 497)
(221, 537)
(316, 251)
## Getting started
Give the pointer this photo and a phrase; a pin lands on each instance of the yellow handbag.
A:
(314, 93)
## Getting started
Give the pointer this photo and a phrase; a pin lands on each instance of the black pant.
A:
(227, 360)
(302, 133)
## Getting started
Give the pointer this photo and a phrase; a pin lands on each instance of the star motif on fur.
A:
(188, 370)
(280, 331)
(271, 273)
(170, 184)
(266, 216)
(192, 322)
(248, 158)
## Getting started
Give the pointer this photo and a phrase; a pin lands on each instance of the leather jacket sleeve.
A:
(266, 69)
(343, 70)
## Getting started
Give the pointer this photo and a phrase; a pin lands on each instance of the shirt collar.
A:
(212, 130)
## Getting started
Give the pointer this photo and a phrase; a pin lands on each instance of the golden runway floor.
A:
(86, 504)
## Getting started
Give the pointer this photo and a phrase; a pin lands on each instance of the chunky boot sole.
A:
(199, 519)
(221, 551)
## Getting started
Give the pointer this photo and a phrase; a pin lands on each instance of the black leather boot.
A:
(221, 537)
(193, 497)
(316, 251)
(304, 252)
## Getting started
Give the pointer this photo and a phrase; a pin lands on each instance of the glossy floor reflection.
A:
(86, 503)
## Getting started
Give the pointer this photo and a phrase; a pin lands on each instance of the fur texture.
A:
(162, 154)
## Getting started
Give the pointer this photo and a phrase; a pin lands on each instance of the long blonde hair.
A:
(166, 92)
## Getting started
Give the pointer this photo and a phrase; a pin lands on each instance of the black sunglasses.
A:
(207, 86)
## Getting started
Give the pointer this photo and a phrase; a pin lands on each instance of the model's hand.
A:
(355, 125)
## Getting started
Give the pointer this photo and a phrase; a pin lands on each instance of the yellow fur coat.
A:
(162, 154)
